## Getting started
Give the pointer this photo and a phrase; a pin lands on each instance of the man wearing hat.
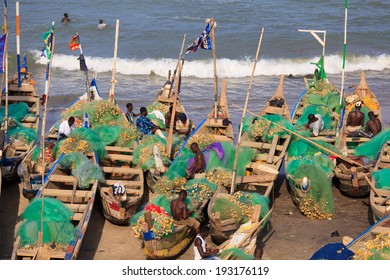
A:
(355, 120)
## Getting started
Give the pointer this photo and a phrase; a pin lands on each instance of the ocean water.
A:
(151, 34)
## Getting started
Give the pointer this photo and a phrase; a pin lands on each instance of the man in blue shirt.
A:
(144, 125)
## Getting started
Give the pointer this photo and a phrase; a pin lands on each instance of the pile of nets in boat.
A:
(235, 254)
(82, 168)
(18, 112)
(382, 178)
(143, 153)
(219, 158)
(108, 120)
(266, 127)
(240, 206)
(372, 148)
(375, 249)
(83, 140)
(307, 160)
(49, 156)
(57, 227)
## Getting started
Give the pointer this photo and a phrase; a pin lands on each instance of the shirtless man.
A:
(355, 120)
(373, 126)
(181, 214)
(199, 164)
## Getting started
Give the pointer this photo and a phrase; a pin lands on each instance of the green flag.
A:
(47, 38)
(321, 69)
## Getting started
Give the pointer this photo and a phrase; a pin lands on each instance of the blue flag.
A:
(3, 39)
(203, 41)
(24, 64)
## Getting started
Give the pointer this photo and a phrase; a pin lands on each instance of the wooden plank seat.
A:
(32, 253)
(123, 170)
(165, 99)
(214, 123)
(256, 178)
(29, 125)
(120, 157)
(27, 99)
(80, 208)
(326, 139)
(126, 183)
(62, 179)
(119, 149)
(260, 145)
(273, 110)
(25, 88)
(68, 193)
(357, 139)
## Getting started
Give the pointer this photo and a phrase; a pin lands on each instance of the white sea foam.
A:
(226, 68)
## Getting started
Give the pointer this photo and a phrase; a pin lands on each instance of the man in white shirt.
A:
(315, 123)
(66, 127)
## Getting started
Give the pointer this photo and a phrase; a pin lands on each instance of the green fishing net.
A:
(16, 111)
(82, 168)
(372, 148)
(377, 248)
(179, 165)
(235, 254)
(267, 127)
(108, 134)
(382, 178)
(317, 202)
(81, 140)
(57, 226)
(23, 134)
(316, 109)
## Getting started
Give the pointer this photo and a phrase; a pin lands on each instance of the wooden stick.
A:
(112, 91)
(212, 22)
(244, 112)
(47, 87)
(371, 184)
(6, 71)
(177, 65)
(306, 139)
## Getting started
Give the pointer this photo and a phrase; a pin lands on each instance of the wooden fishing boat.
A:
(214, 124)
(63, 187)
(171, 246)
(15, 150)
(352, 179)
(30, 168)
(315, 89)
(117, 168)
(261, 172)
(381, 227)
(380, 198)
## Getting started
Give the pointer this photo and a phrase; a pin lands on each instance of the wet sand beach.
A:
(291, 236)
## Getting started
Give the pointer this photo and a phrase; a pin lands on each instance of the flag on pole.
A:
(83, 65)
(321, 69)
(47, 38)
(24, 64)
(3, 40)
(74, 43)
(203, 41)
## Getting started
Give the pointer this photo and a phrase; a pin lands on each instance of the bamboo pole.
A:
(5, 65)
(344, 51)
(244, 112)
(177, 65)
(212, 35)
(173, 119)
(86, 74)
(113, 79)
(17, 25)
(46, 94)
(306, 139)
(175, 97)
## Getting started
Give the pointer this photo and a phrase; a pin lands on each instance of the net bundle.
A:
(372, 148)
(57, 227)
(382, 178)
(266, 127)
(377, 248)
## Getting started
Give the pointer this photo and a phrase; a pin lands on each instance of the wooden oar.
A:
(307, 140)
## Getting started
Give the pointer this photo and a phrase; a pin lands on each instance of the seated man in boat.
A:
(197, 165)
(66, 127)
(373, 127)
(315, 123)
(168, 118)
(183, 126)
(355, 120)
(181, 214)
(201, 252)
(145, 125)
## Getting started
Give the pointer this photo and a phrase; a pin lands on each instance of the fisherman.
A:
(66, 127)
(374, 125)
(145, 126)
(181, 214)
(101, 24)
(199, 164)
(315, 123)
(355, 120)
(183, 126)
(168, 118)
(130, 115)
(201, 252)
(65, 18)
